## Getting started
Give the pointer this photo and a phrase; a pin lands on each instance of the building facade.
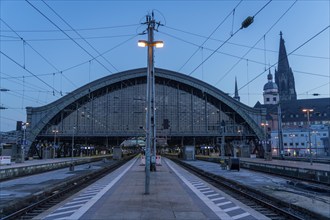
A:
(285, 115)
(112, 109)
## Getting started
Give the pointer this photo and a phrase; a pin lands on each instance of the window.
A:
(267, 99)
(274, 99)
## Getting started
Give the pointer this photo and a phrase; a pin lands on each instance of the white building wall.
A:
(295, 141)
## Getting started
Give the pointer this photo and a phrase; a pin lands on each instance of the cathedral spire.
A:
(284, 76)
(283, 62)
(236, 91)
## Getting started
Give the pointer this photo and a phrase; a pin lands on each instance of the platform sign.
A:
(5, 160)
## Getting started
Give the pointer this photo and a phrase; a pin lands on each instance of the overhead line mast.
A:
(150, 113)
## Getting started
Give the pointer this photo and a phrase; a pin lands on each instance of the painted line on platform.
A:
(219, 212)
(90, 199)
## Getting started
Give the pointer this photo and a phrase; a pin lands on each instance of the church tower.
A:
(284, 76)
(271, 96)
(236, 96)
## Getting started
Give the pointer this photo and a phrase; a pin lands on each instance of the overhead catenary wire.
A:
(80, 36)
(242, 45)
(107, 51)
(273, 65)
(221, 23)
(27, 70)
(43, 57)
(306, 92)
(78, 29)
(245, 24)
(256, 43)
(74, 66)
(66, 39)
(68, 35)
(28, 84)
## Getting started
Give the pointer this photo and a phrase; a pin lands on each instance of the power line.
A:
(80, 36)
(245, 24)
(221, 23)
(313, 74)
(67, 35)
(256, 43)
(315, 88)
(242, 45)
(107, 51)
(15, 80)
(78, 29)
(14, 61)
(209, 49)
(26, 97)
(43, 57)
(66, 39)
(320, 32)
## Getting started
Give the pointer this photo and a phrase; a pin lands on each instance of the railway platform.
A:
(318, 172)
(297, 193)
(29, 167)
(174, 194)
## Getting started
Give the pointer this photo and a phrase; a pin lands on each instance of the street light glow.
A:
(157, 44)
(308, 110)
(142, 43)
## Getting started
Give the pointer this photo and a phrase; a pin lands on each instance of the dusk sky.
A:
(43, 59)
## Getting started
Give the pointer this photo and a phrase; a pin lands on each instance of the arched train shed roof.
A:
(39, 117)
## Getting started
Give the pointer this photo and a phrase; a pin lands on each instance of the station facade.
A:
(112, 109)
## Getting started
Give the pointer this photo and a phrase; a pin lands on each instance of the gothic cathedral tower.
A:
(284, 76)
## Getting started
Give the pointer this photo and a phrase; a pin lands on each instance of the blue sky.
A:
(113, 27)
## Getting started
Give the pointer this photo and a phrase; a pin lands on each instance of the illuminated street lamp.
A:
(24, 125)
(72, 145)
(157, 44)
(55, 131)
(308, 111)
(265, 133)
(150, 113)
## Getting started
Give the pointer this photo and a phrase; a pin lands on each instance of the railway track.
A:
(259, 201)
(41, 203)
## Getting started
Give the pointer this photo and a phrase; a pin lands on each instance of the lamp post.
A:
(223, 130)
(240, 131)
(309, 133)
(150, 113)
(315, 143)
(55, 131)
(277, 146)
(72, 146)
(265, 131)
(24, 125)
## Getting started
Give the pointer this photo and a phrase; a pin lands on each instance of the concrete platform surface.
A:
(290, 163)
(174, 194)
(298, 194)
